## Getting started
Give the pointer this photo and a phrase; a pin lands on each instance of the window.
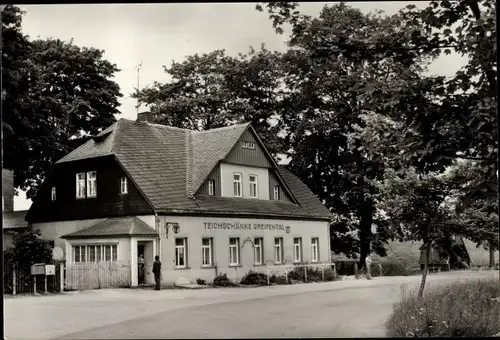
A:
(53, 193)
(314, 249)
(95, 253)
(276, 191)
(181, 252)
(237, 185)
(80, 185)
(211, 187)
(206, 252)
(297, 249)
(253, 186)
(234, 251)
(123, 185)
(248, 145)
(278, 250)
(259, 250)
(91, 184)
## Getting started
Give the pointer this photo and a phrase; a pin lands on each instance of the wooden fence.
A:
(94, 275)
(18, 279)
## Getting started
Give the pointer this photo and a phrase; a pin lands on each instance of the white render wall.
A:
(194, 229)
(227, 171)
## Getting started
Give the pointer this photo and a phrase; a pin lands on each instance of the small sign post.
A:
(37, 269)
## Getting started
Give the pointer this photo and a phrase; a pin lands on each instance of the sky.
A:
(157, 34)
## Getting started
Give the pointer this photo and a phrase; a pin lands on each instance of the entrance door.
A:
(146, 248)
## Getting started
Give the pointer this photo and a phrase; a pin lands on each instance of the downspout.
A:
(158, 243)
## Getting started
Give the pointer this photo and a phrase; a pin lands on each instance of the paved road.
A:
(338, 309)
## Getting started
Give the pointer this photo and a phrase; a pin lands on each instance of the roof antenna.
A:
(138, 67)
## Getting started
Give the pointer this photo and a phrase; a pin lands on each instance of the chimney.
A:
(7, 190)
(147, 117)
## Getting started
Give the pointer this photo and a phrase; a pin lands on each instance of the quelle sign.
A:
(229, 226)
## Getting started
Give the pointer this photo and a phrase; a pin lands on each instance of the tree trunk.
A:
(426, 247)
(492, 254)
(365, 232)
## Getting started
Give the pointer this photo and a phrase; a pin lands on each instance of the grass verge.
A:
(468, 308)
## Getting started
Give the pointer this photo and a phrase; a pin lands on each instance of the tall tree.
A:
(214, 89)
(63, 94)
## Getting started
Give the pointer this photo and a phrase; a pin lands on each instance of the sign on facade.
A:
(231, 226)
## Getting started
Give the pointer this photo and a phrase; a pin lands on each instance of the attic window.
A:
(101, 137)
(248, 145)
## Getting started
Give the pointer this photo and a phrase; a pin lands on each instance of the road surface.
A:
(354, 308)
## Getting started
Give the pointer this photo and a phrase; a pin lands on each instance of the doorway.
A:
(145, 262)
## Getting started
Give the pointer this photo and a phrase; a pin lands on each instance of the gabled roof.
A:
(14, 219)
(169, 164)
(119, 226)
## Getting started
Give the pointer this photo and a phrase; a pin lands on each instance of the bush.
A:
(254, 278)
(465, 309)
(222, 280)
(278, 279)
(201, 282)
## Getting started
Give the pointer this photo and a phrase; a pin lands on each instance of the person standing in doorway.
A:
(157, 272)
(368, 262)
(140, 262)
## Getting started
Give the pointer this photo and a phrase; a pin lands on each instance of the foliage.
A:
(201, 282)
(60, 94)
(254, 278)
(29, 248)
(465, 309)
(222, 280)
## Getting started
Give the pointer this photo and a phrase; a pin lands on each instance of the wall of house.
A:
(227, 171)
(53, 231)
(251, 157)
(8, 190)
(108, 203)
(194, 229)
(215, 176)
(123, 247)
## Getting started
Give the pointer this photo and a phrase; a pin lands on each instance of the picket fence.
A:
(94, 275)
(18, 280)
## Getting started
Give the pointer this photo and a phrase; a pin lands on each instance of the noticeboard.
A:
(38, 269)
(50, 269)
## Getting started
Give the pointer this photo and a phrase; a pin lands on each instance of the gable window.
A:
(278, 250)
(276, 191)
(237, 185)
(123, 185)
(91, 184)
(53, 193)
(248, 145)
(253, 186)
(314, 249)
(181, 252)
(259, 250)
(234, 251)
(80, 185)
(211, 187)
(297, 249)
(206, 252)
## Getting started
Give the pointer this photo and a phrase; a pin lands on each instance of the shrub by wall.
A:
(463, 308)
(222, 280)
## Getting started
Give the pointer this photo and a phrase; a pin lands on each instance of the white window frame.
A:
(92, 184)
(258, 243)
(236, 248)
(99, 252)
(211, 187)
(80, 257)
(315, 249)
(80, 185)
(254, 184)
(177, 254)
(248, 145)
(204, 249)
(239, 184)
(276, 192)
(53, 193)
(278, 250)
(297, 249)
(123, 185)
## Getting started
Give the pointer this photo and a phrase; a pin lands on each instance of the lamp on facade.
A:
(174, 226)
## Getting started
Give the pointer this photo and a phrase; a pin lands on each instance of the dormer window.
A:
(248, 145)
(123, 185)
(276, 191)
(237, 185)
(86, 184)
(53, 193)
(254, 192)
(211, 187)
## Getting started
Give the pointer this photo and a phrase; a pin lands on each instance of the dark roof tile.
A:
(119, 226)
